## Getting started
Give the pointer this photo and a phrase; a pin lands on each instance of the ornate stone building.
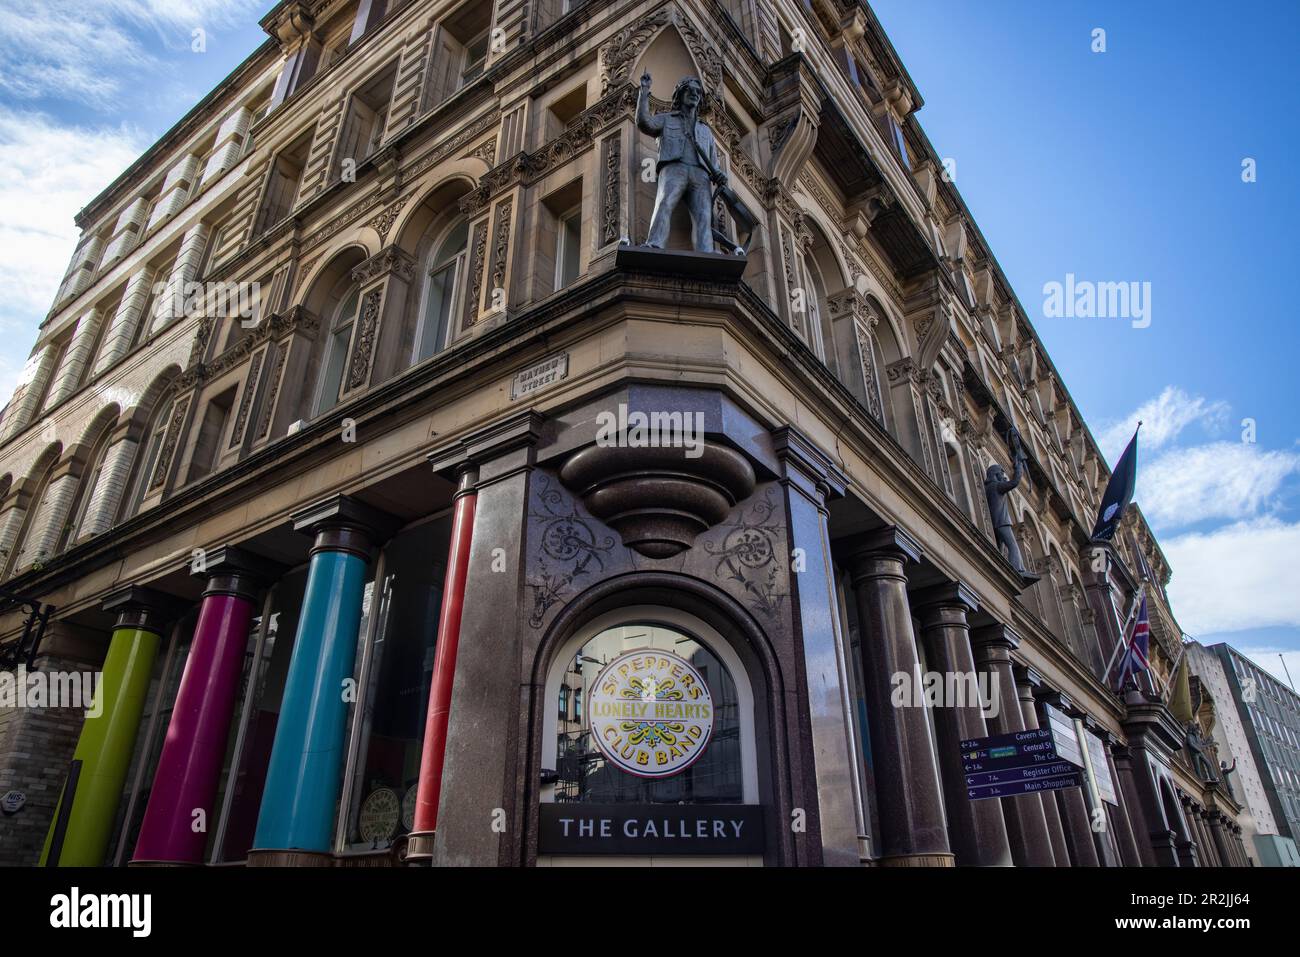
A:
(340, 554)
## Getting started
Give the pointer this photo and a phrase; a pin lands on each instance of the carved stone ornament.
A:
(620, 54)
(390, 259)
(658, 499)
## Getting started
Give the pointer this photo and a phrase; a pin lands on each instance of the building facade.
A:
(379, 492)
(1268, 714)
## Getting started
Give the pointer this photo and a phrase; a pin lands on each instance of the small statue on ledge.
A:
(687, 166)
(1196, 748)
(996, 488)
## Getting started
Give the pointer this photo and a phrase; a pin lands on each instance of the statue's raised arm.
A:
(652, 124)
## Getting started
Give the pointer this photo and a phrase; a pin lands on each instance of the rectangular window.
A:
(283, 183)
(568, 248)
(475, 59)
(363, 130)
(207, 447)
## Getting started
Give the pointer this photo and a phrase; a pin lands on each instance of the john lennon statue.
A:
(687, 167)
(996, 487)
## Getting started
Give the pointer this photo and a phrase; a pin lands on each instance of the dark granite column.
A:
(1026, 825)
(1026, 681)
(1071, 803)
(480, 822)
(976, 829)
(1217, 827)
(810, 479)
(1122, 822)
(908, 794)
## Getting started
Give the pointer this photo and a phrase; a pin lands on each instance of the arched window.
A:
(147, 458)
(26, 547)
(338, 338)
(86, 489)
(614, 678)
(441, 299)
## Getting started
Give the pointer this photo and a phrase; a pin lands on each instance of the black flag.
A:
(1119, 492)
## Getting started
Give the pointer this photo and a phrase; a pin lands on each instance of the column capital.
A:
(890, 541)
(951, 594)
(231, 570)
(506, 435)
(343, 523)
(996, 635)
(794, 448)
(138, 606)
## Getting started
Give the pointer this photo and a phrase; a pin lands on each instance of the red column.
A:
(425, 825)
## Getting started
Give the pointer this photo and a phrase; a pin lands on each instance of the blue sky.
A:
(1116, 166)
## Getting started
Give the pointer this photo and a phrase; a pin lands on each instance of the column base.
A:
(289, 858)
(919, 860)
(419, 847)
(162, 864)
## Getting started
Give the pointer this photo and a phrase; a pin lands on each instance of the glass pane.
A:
(268, 689)
(437, 311)
(583, 772)
(332, 374)
(570, 247)
(401, 668)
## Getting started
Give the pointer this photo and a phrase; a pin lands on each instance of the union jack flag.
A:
(1139, 643)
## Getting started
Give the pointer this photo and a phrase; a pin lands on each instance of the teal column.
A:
(304, 778)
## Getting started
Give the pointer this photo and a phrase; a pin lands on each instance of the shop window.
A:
(701, 752)
(396, 672)
(169, 666)
(260, 713)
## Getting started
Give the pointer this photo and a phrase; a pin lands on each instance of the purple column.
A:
(174, 831)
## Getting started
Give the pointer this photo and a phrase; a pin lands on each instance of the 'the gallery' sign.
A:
(651, 713)
(651, 829)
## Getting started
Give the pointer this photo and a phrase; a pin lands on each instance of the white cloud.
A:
(1163, 419)
(1223, 480)
(49, 172)
(1245, 575)
(90, 50)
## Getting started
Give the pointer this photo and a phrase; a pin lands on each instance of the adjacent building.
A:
(402, 518)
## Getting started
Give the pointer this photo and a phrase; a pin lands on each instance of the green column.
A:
(107, 740)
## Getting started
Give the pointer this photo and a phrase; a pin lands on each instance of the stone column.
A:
(482, 755)
(908, 793)
(1122, 824)
(1026, 825)
(976, 829)
(83, 821)
(1218, 826)
(810, 479)
(1072, 803)
(1026, 681)
(295, 825)
(189, 767)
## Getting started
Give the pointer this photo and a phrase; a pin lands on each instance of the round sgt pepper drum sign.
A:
(651, 713)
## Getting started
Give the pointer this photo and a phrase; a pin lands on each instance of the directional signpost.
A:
(1022, 762)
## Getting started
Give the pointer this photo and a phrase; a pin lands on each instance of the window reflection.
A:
(583, 773)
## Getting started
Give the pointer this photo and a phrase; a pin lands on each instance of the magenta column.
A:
(182, 801)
